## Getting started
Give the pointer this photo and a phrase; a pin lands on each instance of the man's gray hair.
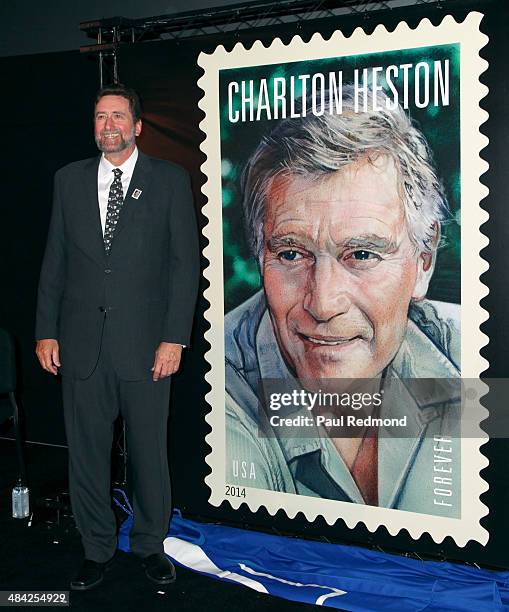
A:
(314, 146)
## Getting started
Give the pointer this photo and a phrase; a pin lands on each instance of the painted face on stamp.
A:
(340, 270)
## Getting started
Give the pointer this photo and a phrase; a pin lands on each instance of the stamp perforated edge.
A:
(467, 33)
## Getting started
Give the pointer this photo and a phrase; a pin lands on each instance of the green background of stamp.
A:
(440, 125)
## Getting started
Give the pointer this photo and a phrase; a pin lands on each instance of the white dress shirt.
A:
(105, 177)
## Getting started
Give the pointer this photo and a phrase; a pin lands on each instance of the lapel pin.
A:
(136, 194)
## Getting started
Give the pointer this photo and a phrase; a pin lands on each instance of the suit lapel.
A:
(139, 182)
(90, 223)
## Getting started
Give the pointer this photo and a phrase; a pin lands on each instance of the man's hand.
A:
(167, 360)
(47, 352)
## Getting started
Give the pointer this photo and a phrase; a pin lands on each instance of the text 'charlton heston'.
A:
(280, 97)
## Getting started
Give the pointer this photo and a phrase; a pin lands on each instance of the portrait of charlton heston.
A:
(344, 215)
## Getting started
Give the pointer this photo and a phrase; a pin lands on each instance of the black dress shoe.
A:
(159, 568)
(90, 575)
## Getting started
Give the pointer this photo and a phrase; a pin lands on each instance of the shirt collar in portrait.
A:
(106, 167)
(408, 365)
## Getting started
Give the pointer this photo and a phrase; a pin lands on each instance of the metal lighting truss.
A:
(110, 33)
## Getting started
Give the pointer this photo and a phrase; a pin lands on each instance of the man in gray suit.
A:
(115, 307)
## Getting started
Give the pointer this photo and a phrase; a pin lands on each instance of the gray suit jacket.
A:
(145, 288)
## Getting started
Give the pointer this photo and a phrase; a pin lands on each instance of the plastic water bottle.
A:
(20, 504)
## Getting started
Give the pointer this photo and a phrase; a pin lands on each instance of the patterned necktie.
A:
(115, 201)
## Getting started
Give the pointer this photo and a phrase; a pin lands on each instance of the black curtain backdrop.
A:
(47, 122)
(47, 111)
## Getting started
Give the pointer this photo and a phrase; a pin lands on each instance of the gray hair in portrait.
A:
(319, 144)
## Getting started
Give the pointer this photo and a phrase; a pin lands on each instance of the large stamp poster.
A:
(343, 187)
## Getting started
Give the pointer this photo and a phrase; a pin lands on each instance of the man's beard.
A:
(122, 144)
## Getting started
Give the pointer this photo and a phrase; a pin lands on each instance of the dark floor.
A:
(44, 556)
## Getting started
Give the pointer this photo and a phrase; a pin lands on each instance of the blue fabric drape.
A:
(332, 575)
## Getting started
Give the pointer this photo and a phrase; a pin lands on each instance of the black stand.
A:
(54, 509)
